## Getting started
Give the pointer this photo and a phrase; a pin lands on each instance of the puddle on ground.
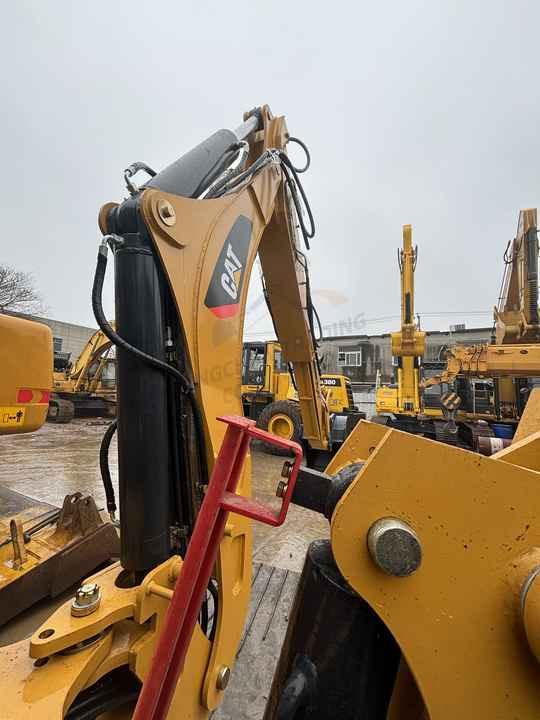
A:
(61, 459)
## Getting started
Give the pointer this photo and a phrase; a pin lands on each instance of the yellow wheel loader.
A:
(269, 395)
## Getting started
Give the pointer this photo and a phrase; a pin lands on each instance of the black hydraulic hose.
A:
(290, 368)
(304, 147)
(292, 181)
(228, 183)
(116, 339)
(105, 472)
(203, 616)
(294, 184)
(318, 319)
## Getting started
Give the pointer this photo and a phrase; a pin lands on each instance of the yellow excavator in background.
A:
(435, 614)
(87, 386)
(516, 315)
(404, 398)
(270, 397)
(510, 364)
(43, 549)
(403, 406)
(408, 345)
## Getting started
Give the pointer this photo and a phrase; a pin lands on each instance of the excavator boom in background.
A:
(508, 368)
(88, 385)
(408, 345)
(516, 315)
(494, 361)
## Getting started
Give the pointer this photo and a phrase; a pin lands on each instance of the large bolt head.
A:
(86, 594)
(286, 470)
(87, 599)
(281, 489)
(224, 675)
(394, 547)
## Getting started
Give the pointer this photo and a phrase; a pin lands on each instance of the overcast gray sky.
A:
(415, 112)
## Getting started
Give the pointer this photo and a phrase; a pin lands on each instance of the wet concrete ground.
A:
(61, 459)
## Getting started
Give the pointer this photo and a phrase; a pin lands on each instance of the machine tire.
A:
(61, 411)
(275, 417)
(352, 421)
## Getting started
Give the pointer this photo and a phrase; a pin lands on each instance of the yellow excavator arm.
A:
(494, 361)
(408, 344)
(516, 316)
(76, 378)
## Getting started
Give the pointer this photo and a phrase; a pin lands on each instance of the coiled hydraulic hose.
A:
(185, 385)
(104, 468)
(293, 183)
(233, 182)
(304, 147)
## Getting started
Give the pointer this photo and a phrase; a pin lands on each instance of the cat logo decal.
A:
(223, 294)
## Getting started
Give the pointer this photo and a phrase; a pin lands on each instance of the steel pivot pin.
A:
(166, 212)
(394, 547)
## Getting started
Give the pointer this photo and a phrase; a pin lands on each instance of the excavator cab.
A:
(254, 364)
(270, 396)
(264, 372)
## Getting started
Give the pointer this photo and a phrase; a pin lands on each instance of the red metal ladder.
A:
(190, 589)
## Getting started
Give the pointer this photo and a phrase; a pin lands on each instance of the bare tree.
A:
(18, 293)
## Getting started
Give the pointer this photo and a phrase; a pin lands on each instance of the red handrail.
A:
(220, 499)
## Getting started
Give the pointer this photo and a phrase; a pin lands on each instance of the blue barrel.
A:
(502, 430)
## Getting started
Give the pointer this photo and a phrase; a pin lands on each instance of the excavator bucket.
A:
(44, 550)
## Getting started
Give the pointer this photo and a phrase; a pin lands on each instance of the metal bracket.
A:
(17, 540)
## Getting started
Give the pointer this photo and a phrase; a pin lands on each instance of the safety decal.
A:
(11, 416)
